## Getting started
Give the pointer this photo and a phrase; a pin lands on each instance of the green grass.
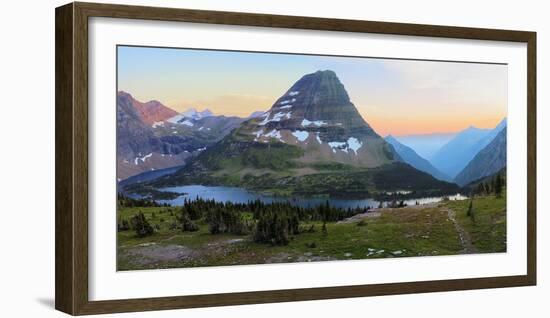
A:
(488, 231)
(410, 231)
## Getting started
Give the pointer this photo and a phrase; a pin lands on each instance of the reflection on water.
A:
(240, 195)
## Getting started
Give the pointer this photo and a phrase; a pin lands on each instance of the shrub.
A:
(123, 225)
(307, 229)
(470, 211)
(173, 226)
(272, 228)
(186, 224)
(141, 225)
(324, 229)
(362, 223)
(226, 221)
(311, 245)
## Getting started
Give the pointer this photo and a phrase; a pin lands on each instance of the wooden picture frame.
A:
(71, 90)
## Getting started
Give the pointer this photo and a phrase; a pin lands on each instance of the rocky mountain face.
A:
(147, 140)
(316, 114)
(312, 137)
(149, 112)
(411, 157)
(457, 153)
(488, 161)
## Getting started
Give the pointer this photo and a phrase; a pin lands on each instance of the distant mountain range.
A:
(426, 145)
(457, 153)
(411, 157)
(189, 116)
(488, 161)
(152, 136)
(312, 141)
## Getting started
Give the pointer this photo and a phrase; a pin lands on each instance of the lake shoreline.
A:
(242, 195)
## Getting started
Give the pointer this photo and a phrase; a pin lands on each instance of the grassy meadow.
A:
(444, 228)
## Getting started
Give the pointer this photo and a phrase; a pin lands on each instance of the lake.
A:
(240, 195)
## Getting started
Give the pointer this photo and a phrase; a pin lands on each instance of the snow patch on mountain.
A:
(188, 123)
(276, 118)
(142, 159)
(351, 144)
(318, 123)
(318, 138)
(287, 101)
(354, 144)
(157, 124)
(338, 145)
(301, 135)
(258, 134)
(190, 114)
(274, 134)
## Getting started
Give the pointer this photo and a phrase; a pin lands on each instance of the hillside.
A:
(312, 141)
(411, 157)
(147, 140)
(457, 153)
(488, 161)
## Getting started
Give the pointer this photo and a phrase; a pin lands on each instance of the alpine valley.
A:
(308, 179)
(312, 141)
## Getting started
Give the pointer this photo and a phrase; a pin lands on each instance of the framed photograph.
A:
(211, 158)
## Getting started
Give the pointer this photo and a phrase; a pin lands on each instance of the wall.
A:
(27, 158)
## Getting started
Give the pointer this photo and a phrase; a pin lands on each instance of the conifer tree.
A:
(498, 186)
(141, 225)
(470, 211)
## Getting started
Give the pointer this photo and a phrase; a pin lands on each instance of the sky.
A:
(397, 97)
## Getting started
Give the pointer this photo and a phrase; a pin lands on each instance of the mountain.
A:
(488, 161)
(426, 145)
(151, 142)
(190, 114)
(312, 140)
(255, 114)
(458, 152)
(149, 112)
(411, 157)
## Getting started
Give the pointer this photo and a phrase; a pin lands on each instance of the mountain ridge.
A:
(312, 131)
(145, 145)
(486, 162)
(459, 151)
(151, 111)
(411, 157)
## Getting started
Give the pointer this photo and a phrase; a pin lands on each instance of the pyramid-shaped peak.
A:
(321, 85)
(316, 99)
(326, 73)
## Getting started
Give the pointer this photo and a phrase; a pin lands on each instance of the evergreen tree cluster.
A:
(227, 221)
(187, 225)
(140, 224)
(272, 223)
(276, 228)
(127, 202)
(493, 186)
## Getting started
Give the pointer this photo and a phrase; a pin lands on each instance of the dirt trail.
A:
(465, 241)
